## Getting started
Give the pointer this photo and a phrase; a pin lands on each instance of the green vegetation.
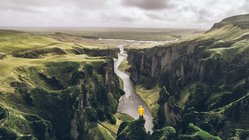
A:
(197, 133)
(113, 128)
(166, 133)
(184, 95)
(124, 66)
(204, 82)
(132, 130)
(62, 85)
(45, 84)
(98, 132)
(12, 41)
(105, 133)
(150, 96)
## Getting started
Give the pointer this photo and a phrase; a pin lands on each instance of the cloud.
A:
(119, 13)
(147, 4)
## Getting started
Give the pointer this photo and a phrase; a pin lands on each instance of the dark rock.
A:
(247, 82)
(166, 133)
(240, 134)
(132, 130)
(53, 82)
(42, 128)
(95, 52)
(111, 118)
(91, 114)
(195, 133)
(6, 134)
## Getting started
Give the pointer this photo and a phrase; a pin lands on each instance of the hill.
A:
(241, 21)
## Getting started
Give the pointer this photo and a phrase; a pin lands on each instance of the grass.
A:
(27, 70)
(124, 66)
(19, 41)
(150, 97)
(98, 132)
(184, 95)
(12, 41)
(120, 117)
(15, 120)
(105, 134)
(12, 68)
(202, 134)
(9, 66)
(225, 33)
(229, 53)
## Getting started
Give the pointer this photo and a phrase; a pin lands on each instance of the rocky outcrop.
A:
(132, 130)
(177, 63)
(195, 132)
(240, 135)
(95, 52)
(166, 133)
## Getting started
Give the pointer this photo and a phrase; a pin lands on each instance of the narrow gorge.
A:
(130, 102)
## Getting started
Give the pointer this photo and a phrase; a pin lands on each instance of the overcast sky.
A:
(119, 13)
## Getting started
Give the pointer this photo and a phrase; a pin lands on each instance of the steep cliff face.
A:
(207, 75)
(96, 52)
(60, 100)
(52, 87)
(154, 64)
(58, 93)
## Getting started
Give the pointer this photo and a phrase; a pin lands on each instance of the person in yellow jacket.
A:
(140, 111)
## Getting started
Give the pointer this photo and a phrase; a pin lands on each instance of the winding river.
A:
(130, 102)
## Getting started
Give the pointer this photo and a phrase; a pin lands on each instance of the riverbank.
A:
(130, 102)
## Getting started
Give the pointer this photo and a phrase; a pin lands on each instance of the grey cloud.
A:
(35, 5)
(245, 7)
(154, 16)
(147, 4)
(140, 13)
(122, 18)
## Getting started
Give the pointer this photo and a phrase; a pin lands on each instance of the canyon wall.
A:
(199, 83)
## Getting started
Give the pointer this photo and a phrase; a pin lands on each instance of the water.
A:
(130, 102)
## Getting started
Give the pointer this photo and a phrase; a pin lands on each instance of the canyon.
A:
(67, 86)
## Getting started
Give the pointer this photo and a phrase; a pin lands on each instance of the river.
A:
(130, 102)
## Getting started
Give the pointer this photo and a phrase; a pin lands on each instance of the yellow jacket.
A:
(141, 111)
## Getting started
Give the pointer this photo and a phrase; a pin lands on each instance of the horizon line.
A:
(96, 27)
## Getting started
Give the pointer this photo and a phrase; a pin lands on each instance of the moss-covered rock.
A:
(166, 133)
(91, 114)
(59, 100)
(195, 133)
(240, 134)
(132, 130)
